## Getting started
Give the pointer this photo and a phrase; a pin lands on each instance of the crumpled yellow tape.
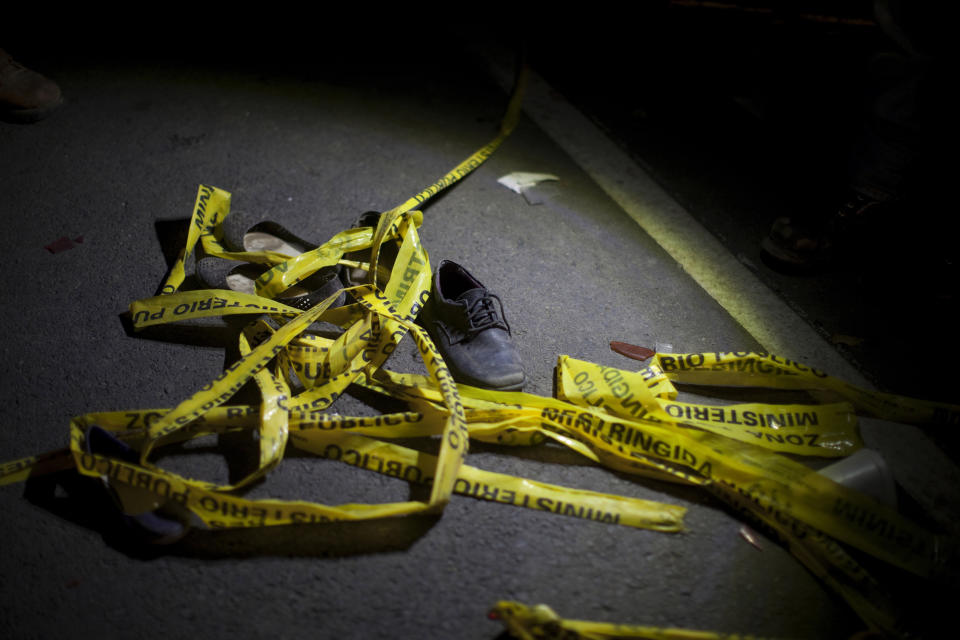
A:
(217, 508)
(820, 430)
(825, 559)
(210, 209)
(773, 483)
(210, 202)
(747, 369)
(417, 466)
(540, 622)
(649, 432)
(368, 340)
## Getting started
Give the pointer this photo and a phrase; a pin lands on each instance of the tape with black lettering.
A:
(416, 466)
(209, 205)
(406, 289)
(819, 430)
(524, 413)
(770, 478)
(766, 484)
(131, 426)
(826, 559)
(748, 369)
(290, 272)
(14, 471)
(408, 424)
(773, 481)
(220, 509)
(232, 379)
(204, 303)
(273, 427)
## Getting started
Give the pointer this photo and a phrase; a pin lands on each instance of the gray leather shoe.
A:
(469, 328)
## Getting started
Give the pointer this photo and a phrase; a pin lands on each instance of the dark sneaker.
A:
(468, 327)
(25, 95)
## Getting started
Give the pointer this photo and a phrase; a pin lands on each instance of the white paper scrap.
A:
(520, 180)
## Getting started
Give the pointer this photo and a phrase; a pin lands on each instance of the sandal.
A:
(217, 273)
(242, 233)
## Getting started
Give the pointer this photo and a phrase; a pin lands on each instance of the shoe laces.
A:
(486, 312)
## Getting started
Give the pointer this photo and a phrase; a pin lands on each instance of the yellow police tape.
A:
(629, 421)
(373, 326)
(744, 369)
(540, 622)
(773, 483)
(827, 430)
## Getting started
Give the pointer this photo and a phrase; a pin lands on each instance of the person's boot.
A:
(817, 242)
(25, 95)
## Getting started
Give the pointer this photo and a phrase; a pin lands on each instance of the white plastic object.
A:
(867, 472)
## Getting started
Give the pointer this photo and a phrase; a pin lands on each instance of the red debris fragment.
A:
(63, 243)
(632, 350)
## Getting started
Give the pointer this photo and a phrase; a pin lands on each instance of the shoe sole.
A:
(29, 116)
(518, 386)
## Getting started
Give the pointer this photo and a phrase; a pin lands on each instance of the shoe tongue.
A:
(472, 295)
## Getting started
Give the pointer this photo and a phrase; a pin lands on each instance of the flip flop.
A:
(242, 233)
